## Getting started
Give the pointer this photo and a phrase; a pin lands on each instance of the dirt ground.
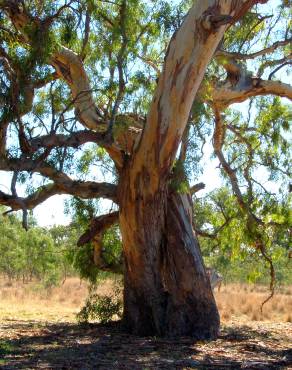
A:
(39, 331)
(39, 345)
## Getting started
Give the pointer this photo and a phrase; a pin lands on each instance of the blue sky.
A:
(52, 211)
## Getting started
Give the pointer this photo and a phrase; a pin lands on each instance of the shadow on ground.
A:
(31, 345)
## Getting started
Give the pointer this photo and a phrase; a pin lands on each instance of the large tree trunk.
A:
(167, 291)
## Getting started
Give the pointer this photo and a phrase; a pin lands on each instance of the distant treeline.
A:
(37, 254)
(50, 255)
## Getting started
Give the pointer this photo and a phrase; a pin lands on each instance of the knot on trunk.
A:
(213, 22)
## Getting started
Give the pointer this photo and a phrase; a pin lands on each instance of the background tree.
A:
(140, 82)
(35, 255)
(227, 245)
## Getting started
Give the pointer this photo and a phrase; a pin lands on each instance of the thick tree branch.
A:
(73, 140)
(185, 63)
(124, 140)
(95, 235)
(248, 87)
(85, 190)
(240, 56)
(62, 183)
(98, 225)
(17, 203)
(197, 187)
(240, 84)
(76, 139)
(69, 67)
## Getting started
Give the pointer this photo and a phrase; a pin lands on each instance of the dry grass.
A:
(35, 332)
(244, 302)
(31, 302)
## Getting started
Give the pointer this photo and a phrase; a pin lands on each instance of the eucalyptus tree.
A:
(141, 81)
(29, 255)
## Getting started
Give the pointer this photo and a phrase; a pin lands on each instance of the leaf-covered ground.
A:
(47, 345)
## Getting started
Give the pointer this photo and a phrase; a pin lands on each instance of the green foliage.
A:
(82, 258)
(36, 254)
(83, 262)
(179, 181)
(257, 149)
(101, 307)
(51, 255)
(43, 43)
(68, 33)
(228, 245)
(6, 348)
(112, 245)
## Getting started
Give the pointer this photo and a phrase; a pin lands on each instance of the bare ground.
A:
(39, 345)
(40, 333)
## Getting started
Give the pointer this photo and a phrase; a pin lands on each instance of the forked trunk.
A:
(167, 291)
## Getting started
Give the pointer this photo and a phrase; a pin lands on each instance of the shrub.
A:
(101, 307)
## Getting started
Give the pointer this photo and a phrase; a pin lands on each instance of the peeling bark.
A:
(187, 57)
(70, 67)
(167, 291)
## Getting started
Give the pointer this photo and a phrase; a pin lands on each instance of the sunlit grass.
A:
(31, 302)
(244, 302)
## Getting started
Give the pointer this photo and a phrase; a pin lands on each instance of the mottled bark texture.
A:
(167, 291)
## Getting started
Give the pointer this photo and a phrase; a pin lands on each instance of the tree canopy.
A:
(77, 80)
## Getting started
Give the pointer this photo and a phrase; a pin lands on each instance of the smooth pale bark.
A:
(187, 57)
(167, 291)
(70, 67)
(247, 87)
